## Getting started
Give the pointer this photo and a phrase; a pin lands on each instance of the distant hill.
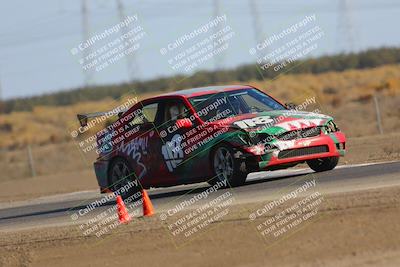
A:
(348, 96)
(362, 60)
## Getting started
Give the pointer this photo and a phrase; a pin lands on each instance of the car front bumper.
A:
(294, 151)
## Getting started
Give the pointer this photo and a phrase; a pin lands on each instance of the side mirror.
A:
(290, 105)
(184, 123)
(83, 119)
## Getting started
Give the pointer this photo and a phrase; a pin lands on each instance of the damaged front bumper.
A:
(283, 154)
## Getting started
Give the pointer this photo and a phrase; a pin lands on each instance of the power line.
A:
(257, 24)
(1, 92)
(88, 74)
(132, 66)
(2, 108)
(345, 26)
(219, 58)
(19, 36)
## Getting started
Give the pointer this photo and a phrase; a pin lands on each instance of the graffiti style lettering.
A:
(135, 149)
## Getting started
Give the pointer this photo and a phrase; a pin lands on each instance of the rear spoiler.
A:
(83, 118)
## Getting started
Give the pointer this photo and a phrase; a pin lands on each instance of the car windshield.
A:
(218, 106)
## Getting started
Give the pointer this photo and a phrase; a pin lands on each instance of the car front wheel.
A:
(226, 168)
(323, 164)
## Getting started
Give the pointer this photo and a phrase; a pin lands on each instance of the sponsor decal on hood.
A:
(288, 120)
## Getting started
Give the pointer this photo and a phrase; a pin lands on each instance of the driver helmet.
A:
(174, 112)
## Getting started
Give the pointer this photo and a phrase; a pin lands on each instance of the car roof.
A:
(205, 90)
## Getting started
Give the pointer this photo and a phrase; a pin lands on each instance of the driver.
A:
(235, 105)
(173, 112)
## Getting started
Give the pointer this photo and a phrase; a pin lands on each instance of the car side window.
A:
(174, 110)
(146, 114)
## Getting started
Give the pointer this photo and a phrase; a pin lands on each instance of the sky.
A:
(37, 37)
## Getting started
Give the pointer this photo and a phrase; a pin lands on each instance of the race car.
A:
(211, 134)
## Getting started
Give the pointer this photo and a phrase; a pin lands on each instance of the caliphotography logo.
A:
(199, 133)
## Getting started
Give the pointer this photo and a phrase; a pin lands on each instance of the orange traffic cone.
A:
(148, 209)
(123, 214)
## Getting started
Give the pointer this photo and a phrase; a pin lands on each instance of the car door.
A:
(172, 135)
(141, 141)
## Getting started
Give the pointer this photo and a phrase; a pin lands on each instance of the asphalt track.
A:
(61, 210)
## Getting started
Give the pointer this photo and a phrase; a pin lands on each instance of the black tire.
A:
(323, 164)
(120, 173)
(225, 167)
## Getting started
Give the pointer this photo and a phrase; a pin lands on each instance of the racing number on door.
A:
(254, 122)
(172, 152)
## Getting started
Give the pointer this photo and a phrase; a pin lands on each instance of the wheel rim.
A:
(223, 164)
(119, 175)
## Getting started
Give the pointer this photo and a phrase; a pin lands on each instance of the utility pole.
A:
(1, 92)
(2, 107)
(132, 67)
(88, 74)
(345, 26)
(219, 58)
(259, 34)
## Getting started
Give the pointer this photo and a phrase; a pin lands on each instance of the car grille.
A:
(291, 153)
(298, 134)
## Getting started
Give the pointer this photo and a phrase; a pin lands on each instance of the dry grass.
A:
(345, 95)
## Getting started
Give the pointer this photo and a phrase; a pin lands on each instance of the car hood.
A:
(274, 121)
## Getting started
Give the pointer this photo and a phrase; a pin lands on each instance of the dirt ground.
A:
(352, 229)
(377, 148)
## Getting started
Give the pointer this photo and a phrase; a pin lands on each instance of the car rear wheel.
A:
(120, 174)
(226, 168)
(323, 164)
